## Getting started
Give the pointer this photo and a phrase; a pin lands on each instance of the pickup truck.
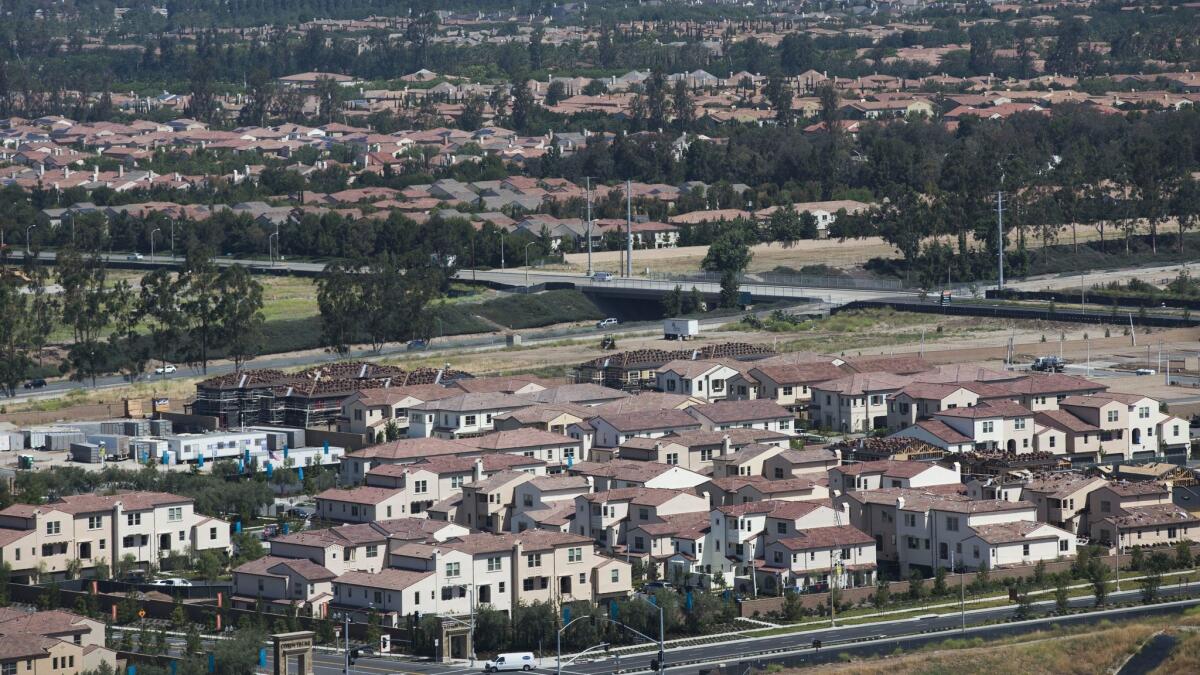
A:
(1048, 364)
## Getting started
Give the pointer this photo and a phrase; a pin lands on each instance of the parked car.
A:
(302, 512)
(175, 582)
(610, 321)
(602, 276)
(1145, 371)
(134, 256)
(653, 586)
(417, 345)
(36, 383)
(165, 369)
(510, 661)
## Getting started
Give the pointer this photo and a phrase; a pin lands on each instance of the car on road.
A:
(606, 323)
(602, 276)
(174, 582)
(1048, 364)
(511, 661)
(134, 256)
(1145, 371)
(417, 345)
(165, 369)
(653, 586)
(305, 512)
(35, 383)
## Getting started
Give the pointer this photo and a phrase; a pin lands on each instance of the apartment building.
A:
(1131, 425)
(462, 416)
(283, 585)
(1120, 495)
(99, 529)
(672, 543)
(890, 473)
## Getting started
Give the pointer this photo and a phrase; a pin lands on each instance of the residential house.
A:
(887, 473)
(462, 416)
(371, 411)
(282, 585)
(612, 430)
(556, 450)
(607, 516)
(361, 504)
(355, 465)
(854, 403)
(747, 414)
(809, 462)
(702, 379)
(818, 558)
(487, 504)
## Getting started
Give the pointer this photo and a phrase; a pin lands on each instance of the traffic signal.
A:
(816, 644)
(354, 654)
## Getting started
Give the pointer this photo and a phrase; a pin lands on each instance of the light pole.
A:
(962, 595)
(270, 250)
(172, 239)
(501, 233)
(527, 262)
(662, 649)
(346, 634)
(1118, 565)
(152, 233)
(27, 237)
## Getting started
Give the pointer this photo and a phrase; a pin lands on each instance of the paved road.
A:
(835, 640)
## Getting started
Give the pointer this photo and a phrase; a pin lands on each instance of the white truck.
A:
(681, 329)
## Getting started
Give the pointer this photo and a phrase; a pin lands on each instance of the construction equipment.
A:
(608, 342)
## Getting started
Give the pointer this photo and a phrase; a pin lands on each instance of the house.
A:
(465, 415)
(606, 516)
(1157, 525)
(361, 504)
(855, 402)
(439, 478)
(703, 379)
(389, 594)
(283, 584)
(52, 641)
(487, 504)
(1062, 499)
(819, 558)
(355, 465)
(583, 394)
(749, 461)
(810, 462)
(739, 533)
(921, 400)
(938, 434)
(370, 411)
(552, 417)
(889, 473)
(556, 450)
(696, 450)
(789, 385)
(996, 425)
(742, 489)
(550, 500)
(746, 414)
(1119, 496)
(671, 543)
(99, 529)
(621, 473)
(612, 430)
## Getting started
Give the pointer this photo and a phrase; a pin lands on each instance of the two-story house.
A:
(890, 473)
(370, 411)
(703, 379)
(462, 416)
(283, 584)
(745, 414)
(607, 516)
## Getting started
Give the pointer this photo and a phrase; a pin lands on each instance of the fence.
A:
(757, 606)
(1028, 313)
(1099, 298)
(784, 279)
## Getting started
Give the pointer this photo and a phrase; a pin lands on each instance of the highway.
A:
(862, 639)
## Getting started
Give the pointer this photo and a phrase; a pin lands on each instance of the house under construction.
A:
(638, 369)
(310, 398)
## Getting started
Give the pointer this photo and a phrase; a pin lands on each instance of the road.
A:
(869, 638)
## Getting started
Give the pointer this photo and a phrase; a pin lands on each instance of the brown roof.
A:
(503, 384)
(891, 468)
(48, 622)
(651, 400)
(1049, 383)
(1003, 533)
(798, 373)
(638, 495)
(387, 579)
(393, 395)
(1158, 514)
(775, 508)
(514, 439)
(414, 448)
(470, 402)
(571, 393)
(630, 470)
(276, 566)
(650, 419)
(1137, 488)
(689, 369)
(359, 495)
(683, 525)
(545, 412)
(557, 514)
(1004, 409)
(943, 431)
(1061, 484)
(724, 412)
(130, 501)
(827, 537)
(862, 383)
(896, 365)
(498, 480)
(1061, 419)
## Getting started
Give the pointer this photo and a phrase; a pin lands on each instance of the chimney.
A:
(95, 174)
(726, 445)
(899, 503)
(120, 170)
(477, 469)
(958, 469)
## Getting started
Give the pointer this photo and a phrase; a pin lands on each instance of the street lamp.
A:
(172, 239)
(270, 250)
(662, 649)
(527, 262)
(501, 249)
(27, 236)
(152, 233)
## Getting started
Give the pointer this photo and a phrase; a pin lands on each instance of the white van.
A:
(512, 661)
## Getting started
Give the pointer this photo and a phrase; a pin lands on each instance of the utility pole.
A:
(1000, 237)
(962, 595)
(628, 228)
(346, 634)
(589, 224)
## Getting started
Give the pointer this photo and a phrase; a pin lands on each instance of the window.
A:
(494, 564)
(1019, 423)
(639, 543)
(1063, 545)
(988, 427)
(952, 523)
(670, 385)
(533, 560)
(500, 587)
(469, 421)
(372, 550)
(977, 552)
(1144, 412)
(1053, 441)
(643, 514)
(174, 514)
(421, 486)
(95, 522)
(1112, 415)
(456, 482)
(616, 576)
(781, 528)
(527, 584)
(778, 473)
(672, 458)
(182, 535)
(1024, 550)
(53, 527)
(128, 541)
(452, 569)
(913, 543)
(133, 519)
(706, 455)
(787, 391)
(910, 520)
(574, 554)
(876, 399)
(212, 533)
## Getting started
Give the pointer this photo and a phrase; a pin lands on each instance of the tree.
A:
(472, 114)
(785, 225)
(939, 582)
(340, 303)
(209, 566)
(1137, 559)
(201, 293)
(239, 317)
(672, 302)
(15, 337)
(793, 608)
(523, 106)
(729, 255)
(830, 112)
(329, 94)
(1024, 602)
(1183, 554)
(655, 101)
(683, 106)
(1098, 574)
(85, 299)
(916, 585)
(882, 595)
(159, 307)
(779, 94)
(1062, 593)
(1156, 566)
(555, 93)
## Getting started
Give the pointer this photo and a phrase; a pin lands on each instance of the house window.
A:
(1053, 441)
(988, 427)
(670, 385)
(778, 473)
(1024, 550)
(452, 569)
(421, 486)
(133, 519)
(1112, 415)
(787, 391)
(53, 527)
(976, 552)
(952, 523)
(781, 528)
(1144, 412)
(876, 399)
(456, 482)
(639, 543)
(1063, 545)
(174, 514)
(910, 520)
(533, 560)
(574, 554)
(527, 584)
(672, 458)
(95, 522)
(643, 514)
(1105, 506)
(372, 550)
(500, 587)
(615, 576)
(469, 421)
(1019, 423)
(212, 533)
(494, 564)
(706, 455)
